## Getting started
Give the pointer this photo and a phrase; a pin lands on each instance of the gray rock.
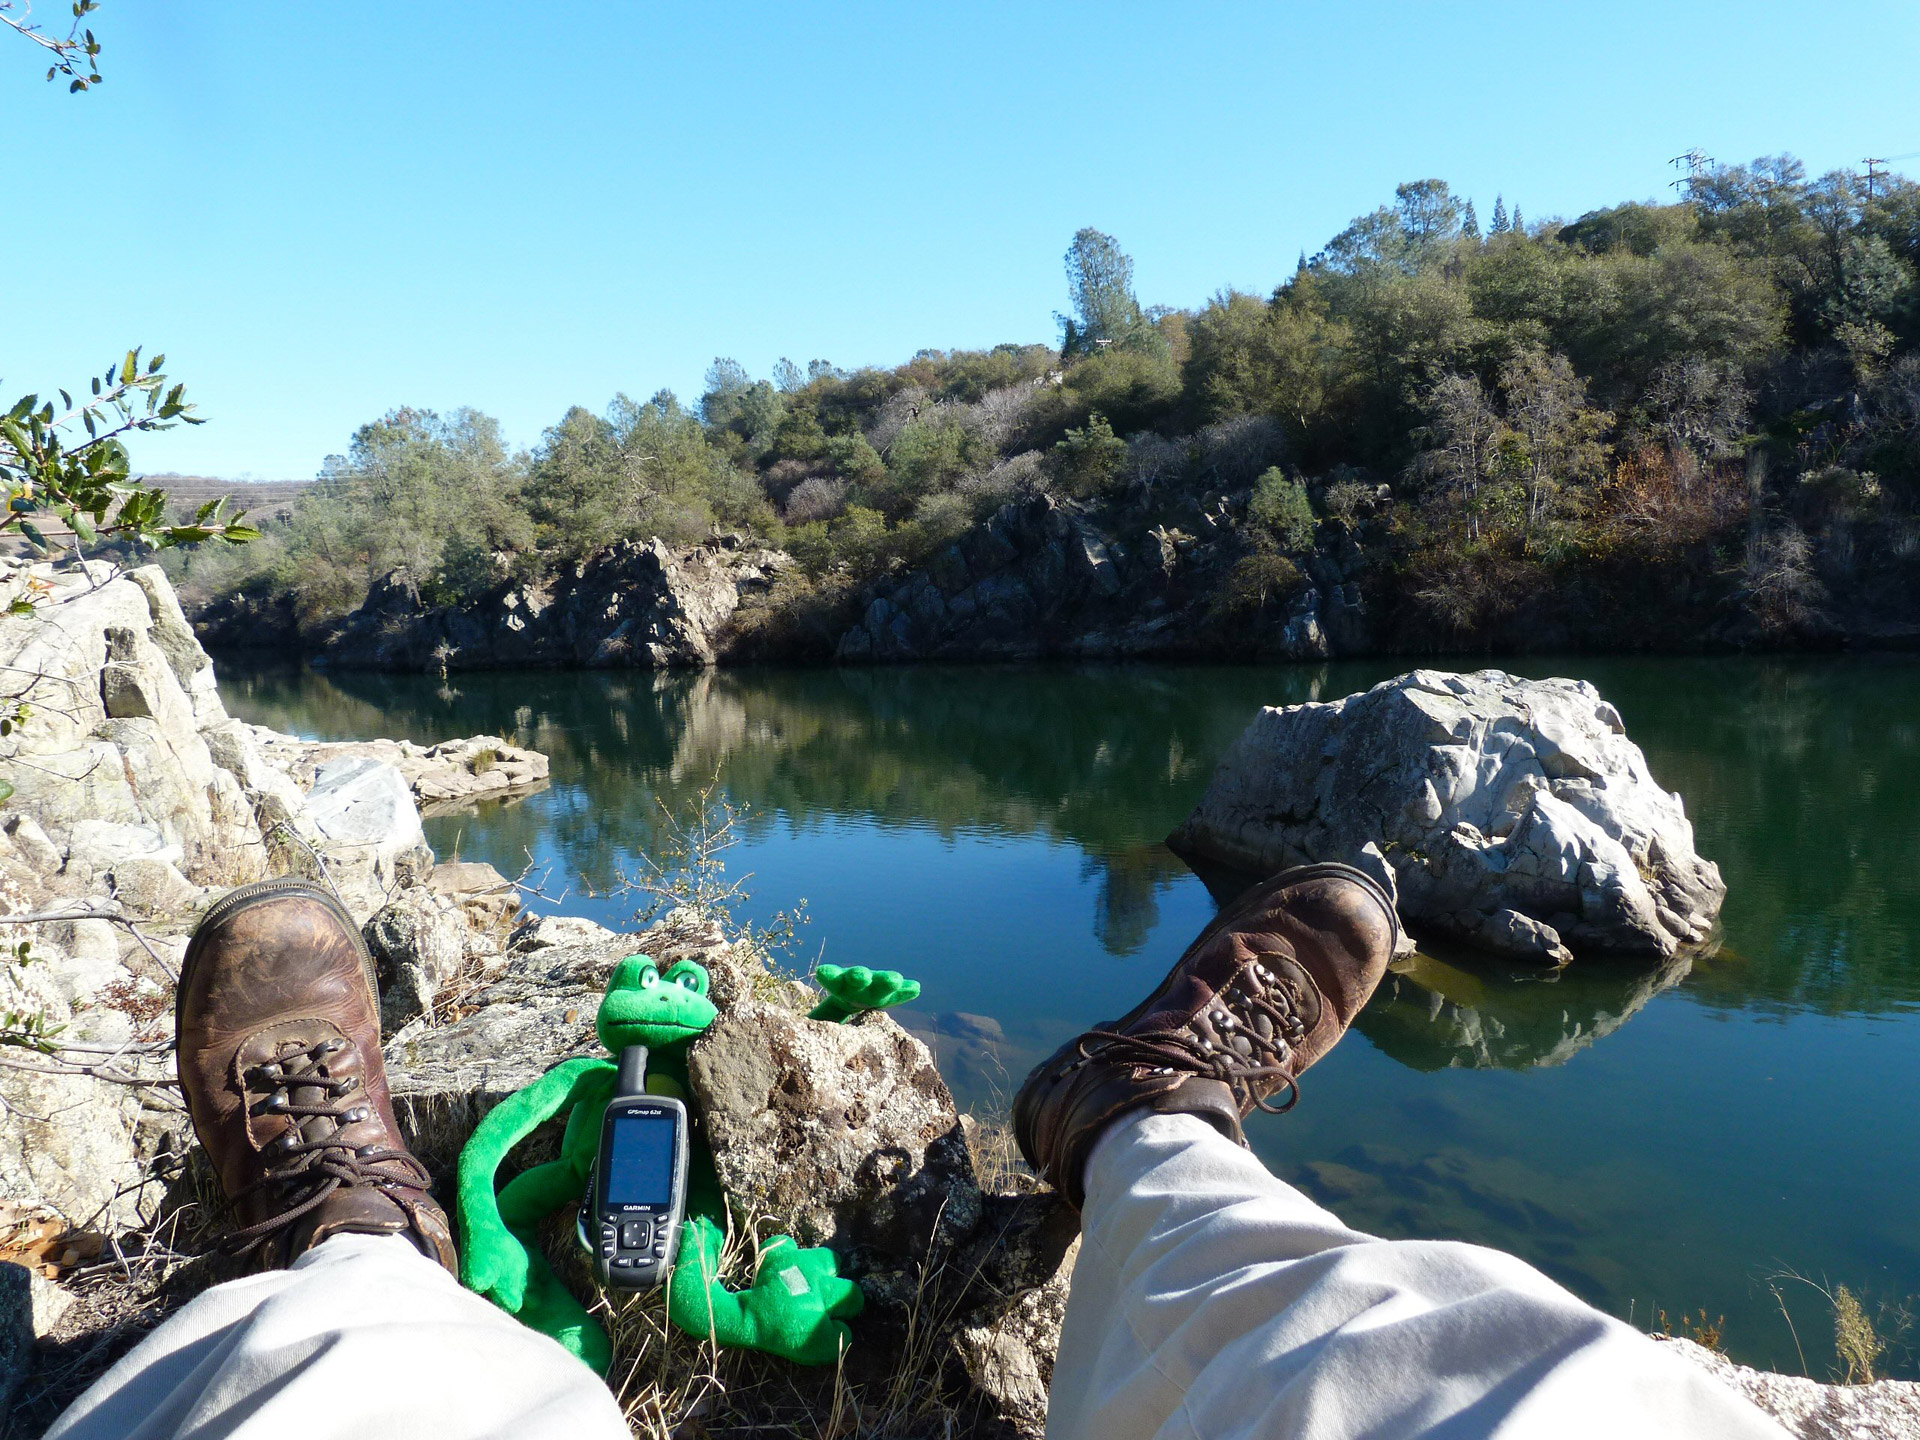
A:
(30, 1307)
(847, 1132)
(32, 844)
(69, 1141)
(1015, 1272)
(419, 942)
(1515, 813)
(637, 604)
(364, 812)
(443, 777)
(114, 733)
(547, 932)
(1884, 1410)
(149, 887)
(173, 636)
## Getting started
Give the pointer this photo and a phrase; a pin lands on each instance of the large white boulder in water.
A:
(1514, 814)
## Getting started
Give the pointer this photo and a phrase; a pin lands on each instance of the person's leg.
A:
(359, 1329)
(362, 1337)
(1211, 1299)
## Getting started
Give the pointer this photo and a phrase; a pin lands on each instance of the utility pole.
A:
(1692, 165)
(1874, 166)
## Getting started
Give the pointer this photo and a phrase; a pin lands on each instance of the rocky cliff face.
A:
(636, 605)
(1039, 578)
(1043, 579)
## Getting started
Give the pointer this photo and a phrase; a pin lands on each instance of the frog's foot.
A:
(797, 1302)
(853, 989)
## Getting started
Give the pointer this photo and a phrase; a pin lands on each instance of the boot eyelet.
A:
(355, 1115)
(277, 1102)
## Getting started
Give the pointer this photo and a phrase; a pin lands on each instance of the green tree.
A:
(85, 482)
(1089, 458)
(1100, 288)
(1458, 448)
(76, 56)
(577, 488)
(1555, 435)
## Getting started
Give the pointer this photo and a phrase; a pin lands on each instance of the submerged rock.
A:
(1513, 814)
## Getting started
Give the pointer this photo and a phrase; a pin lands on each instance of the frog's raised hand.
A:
(852, 989)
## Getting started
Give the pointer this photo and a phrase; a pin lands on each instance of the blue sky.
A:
(323, 211)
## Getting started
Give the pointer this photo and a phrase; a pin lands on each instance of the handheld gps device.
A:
(636, 1199)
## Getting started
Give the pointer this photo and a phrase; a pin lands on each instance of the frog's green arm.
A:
(492, 1261)
(854, 990)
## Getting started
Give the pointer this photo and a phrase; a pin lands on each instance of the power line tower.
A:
(1876, 169)
(1693, 166)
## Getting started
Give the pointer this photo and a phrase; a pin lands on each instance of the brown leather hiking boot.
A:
(277, 1037)
(1265, 991)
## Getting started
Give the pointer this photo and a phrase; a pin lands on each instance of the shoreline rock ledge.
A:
(1514, 815)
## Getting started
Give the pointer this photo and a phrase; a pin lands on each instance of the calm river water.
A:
(1684, 1141)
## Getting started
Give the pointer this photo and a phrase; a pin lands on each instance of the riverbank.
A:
(1040, 579)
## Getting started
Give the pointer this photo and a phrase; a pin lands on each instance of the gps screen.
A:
(640, 1161)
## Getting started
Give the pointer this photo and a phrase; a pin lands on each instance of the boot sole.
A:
(258, 892)
(1239, 908)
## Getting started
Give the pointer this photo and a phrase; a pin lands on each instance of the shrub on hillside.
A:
(1280, 506)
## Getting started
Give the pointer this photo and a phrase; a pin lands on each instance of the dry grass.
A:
(900, 1378)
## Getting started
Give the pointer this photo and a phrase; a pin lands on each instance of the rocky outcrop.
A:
(448, 776)
(110, 758)
(641, 605)
(1512, 814)
(136, 801)
(1041, 578)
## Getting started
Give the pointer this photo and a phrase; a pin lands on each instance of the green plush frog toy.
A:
(795, 1306)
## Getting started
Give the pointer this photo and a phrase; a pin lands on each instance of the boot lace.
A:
(1248, 1053)
(305, 1172)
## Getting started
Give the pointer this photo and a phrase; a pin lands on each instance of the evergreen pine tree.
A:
(1469, 221)
(1519, 225)
(1500, 225)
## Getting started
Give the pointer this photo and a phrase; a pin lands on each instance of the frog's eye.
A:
(690, 975)
(636, 972)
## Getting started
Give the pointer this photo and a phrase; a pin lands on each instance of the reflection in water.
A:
(1802, 777)
(1431, 1014)
(996, 833)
